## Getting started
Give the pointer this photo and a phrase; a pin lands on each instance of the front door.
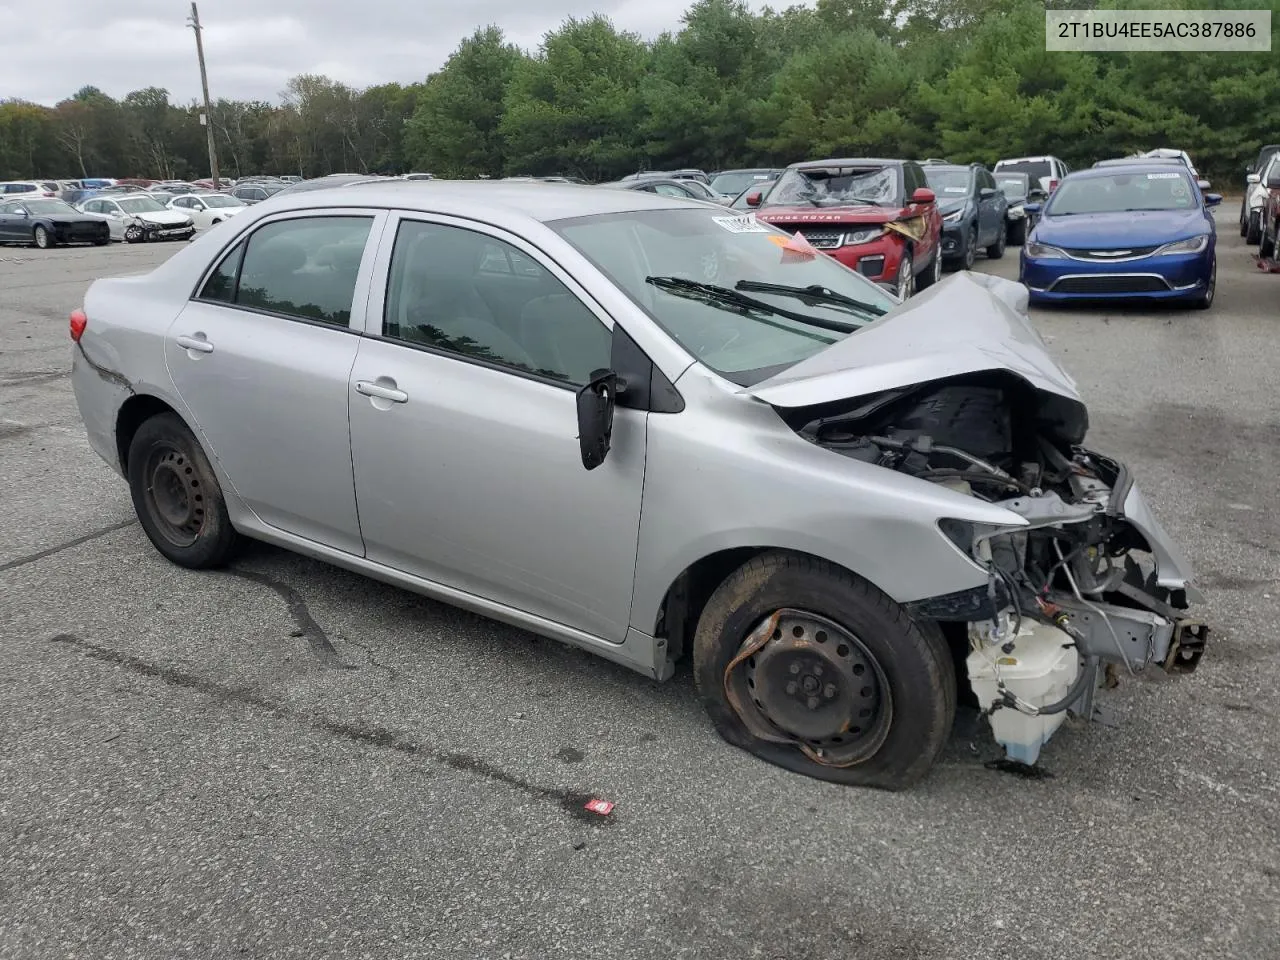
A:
(464, 431)
(262, 356)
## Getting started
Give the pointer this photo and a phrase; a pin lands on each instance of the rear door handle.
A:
(199, 344)
(370, 389)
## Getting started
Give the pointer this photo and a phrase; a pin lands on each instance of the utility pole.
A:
(194, 22)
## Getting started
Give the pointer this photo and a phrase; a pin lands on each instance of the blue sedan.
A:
(1143, 231)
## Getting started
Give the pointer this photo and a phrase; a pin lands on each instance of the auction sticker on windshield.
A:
(741, 224)
(1164, 176)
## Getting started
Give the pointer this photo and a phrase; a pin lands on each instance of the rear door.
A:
(261, 357)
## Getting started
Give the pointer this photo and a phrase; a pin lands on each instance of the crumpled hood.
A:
(1109, 231)
(968, 323)
(816, 216)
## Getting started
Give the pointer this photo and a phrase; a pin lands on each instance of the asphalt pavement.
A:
(286, 760)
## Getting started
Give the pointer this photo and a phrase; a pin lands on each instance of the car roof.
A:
(1046, 157)
(848, 162)
(950, 166)
(1131, 161)
(492, 199)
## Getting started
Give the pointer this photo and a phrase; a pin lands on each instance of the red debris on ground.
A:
(1268, 265)
(602, 807)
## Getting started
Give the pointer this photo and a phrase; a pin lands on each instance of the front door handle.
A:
(370, 389)
(197, 343)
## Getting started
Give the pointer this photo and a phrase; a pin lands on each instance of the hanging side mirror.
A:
(595, 417)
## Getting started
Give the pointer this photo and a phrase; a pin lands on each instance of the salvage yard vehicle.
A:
(1269, 215)
(1255, 199)
(206, 209)
(1049, 171)
(46, 223)
(139, 218)
(1131, 231)
(1018, 190)
(973, 212)
(1253, 173)
(655, 430)
(878, 217)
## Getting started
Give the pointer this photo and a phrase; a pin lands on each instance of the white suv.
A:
(28, 188)
(1049, 171)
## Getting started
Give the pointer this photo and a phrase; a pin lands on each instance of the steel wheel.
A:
(814, 683)
(42, 238)
(174, 498)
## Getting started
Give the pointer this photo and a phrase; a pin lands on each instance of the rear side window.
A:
(305, 269)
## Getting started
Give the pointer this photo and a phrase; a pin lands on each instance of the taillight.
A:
(78, 322)
(1053, 185)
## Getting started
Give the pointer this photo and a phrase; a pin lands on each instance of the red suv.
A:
(878, 217)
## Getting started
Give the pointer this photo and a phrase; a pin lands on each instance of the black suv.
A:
(973, 212)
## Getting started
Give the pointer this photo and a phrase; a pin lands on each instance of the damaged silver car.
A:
(655, 430)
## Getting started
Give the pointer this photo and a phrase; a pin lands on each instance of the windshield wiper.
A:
(718, 295)
(813, 295)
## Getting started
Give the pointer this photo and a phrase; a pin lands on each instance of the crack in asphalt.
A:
(571, 802)
(33, 557)
(321, 646)
(34, 377)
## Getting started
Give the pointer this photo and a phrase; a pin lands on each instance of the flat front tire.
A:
(176, 495)
(815, 670)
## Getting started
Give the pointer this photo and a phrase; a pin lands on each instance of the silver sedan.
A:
(656, 430)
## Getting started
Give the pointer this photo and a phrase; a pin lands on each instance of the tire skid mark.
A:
(33, 557)
(317, 639)
(570, 801)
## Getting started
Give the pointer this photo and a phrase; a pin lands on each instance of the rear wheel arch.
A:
(136, 411)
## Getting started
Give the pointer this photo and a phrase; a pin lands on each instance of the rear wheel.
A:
(42, 238)
(1267, 243)
(815, 670)
(1253, 232)
(176, 495)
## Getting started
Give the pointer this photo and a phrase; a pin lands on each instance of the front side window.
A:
(743, 298)
(465, 293)
(305, 269)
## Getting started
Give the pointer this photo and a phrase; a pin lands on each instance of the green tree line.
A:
(966, 79)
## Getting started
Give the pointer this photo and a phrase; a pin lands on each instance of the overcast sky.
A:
(49, 49)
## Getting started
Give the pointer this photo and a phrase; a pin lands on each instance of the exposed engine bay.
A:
(1082, 575)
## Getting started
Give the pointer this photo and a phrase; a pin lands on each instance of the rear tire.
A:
(176, 495)
(1253, 231)
(1266, 244)
(898, 730)
(996, 250)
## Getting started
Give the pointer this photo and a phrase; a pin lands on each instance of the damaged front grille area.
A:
(1074, 589)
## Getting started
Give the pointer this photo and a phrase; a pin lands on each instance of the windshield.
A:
(1124, 192)
(732, 184)
(1015, 188)
(724, 250)
(836, 186)
(1032, 168)
(949, 183)
(140, 205)
(38, 207)
(217, 200)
